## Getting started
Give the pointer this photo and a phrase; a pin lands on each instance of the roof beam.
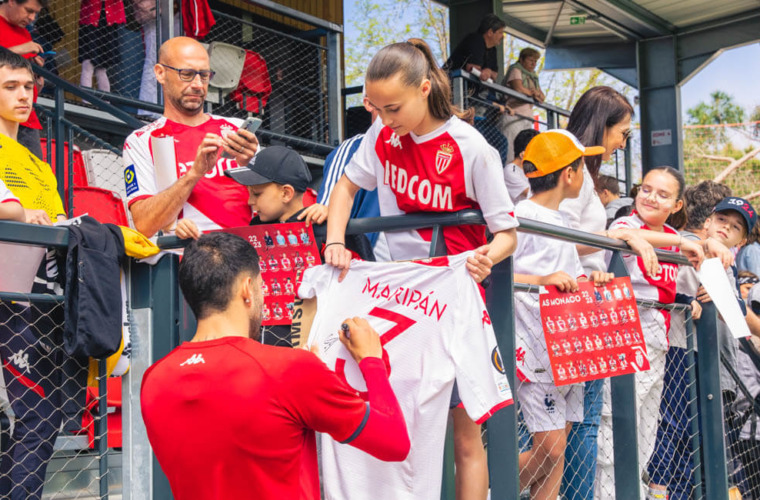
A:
(611, 24)
(614, 9)
(521, 29)
(611, 55)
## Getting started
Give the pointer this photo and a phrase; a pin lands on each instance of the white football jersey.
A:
(434, 329)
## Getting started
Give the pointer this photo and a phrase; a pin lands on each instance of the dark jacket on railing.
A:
(92, 309)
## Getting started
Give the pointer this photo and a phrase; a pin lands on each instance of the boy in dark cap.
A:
(277, 179)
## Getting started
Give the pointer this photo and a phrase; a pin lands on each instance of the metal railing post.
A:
(624, 424)
(156, 302)
(101, 428)
(628, 167)
(711, 405)
(503, 449)
(458, 92)
(60, 172)
(693, 407)
(334, 111)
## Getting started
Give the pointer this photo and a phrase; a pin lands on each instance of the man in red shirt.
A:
(228, 417)
(15, 16)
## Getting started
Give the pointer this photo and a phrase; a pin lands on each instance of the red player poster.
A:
(593, 333)
(285, 250)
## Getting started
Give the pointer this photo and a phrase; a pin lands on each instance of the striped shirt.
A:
(365, 202)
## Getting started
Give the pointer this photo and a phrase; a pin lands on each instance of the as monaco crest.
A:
(443, 158)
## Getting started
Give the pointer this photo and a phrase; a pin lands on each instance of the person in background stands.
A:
(15, 16)
(477, 54)
(514, 176)
(522, 77)
(608, 189)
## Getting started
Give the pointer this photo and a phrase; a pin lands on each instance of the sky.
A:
(735, 71)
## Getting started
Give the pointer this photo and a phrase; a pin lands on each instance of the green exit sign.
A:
(577, 20)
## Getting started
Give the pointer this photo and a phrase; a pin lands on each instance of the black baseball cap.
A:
(273, 164)
(738, 205)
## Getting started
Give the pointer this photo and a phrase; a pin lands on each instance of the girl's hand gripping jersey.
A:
(434, 328)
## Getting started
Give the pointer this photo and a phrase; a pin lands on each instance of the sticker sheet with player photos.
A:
(285, 251)
(593, 333)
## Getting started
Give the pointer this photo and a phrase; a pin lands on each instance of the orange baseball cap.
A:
(555, 149)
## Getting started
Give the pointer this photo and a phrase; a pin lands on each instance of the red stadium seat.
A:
(101, 204)
(255, 86)
(80, 173)
(113, 400)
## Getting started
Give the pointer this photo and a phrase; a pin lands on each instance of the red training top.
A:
(232, 418)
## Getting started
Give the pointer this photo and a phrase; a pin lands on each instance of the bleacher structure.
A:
(281, 61)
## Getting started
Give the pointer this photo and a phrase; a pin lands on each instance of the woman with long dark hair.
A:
(601, 116)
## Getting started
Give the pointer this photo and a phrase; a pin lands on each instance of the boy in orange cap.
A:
(553, 163)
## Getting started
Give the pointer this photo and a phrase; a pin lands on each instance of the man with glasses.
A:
(201, 192)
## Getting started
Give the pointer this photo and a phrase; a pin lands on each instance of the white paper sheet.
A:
(716, 283)
(165, 162)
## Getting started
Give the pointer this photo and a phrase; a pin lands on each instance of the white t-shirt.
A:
(586, 212)
(5, 194)
(451, 168)
(217, 201)
(539, 256)
(434, 329)
(655, 323)
(516, 182)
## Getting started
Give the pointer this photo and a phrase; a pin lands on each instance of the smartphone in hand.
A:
(251, 124)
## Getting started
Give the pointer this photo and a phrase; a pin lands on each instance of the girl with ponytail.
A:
(422, 156)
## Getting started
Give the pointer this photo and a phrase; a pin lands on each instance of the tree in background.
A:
(719, 110)
(710, 145)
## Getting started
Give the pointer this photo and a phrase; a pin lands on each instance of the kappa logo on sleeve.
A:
(130, 180)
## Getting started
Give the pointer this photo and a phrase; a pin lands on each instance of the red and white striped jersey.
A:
(434, 328)
(451, 168)
(217, 202)
(661, 287)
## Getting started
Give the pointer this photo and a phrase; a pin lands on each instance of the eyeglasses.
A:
(188, 75)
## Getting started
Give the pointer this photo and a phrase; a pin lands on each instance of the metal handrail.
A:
(471, 217)
(460, 73)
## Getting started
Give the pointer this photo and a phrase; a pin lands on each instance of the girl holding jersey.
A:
(422, 157)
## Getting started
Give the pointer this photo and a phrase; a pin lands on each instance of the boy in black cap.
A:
(277, 178)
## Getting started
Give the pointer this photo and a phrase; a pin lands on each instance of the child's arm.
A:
(563, 281)
(691, 249)
(12, 210)
(501, 247)
(338, 213)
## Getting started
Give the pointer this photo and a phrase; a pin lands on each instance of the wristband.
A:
(335, 243)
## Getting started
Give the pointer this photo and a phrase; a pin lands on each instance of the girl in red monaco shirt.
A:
(421, 157)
